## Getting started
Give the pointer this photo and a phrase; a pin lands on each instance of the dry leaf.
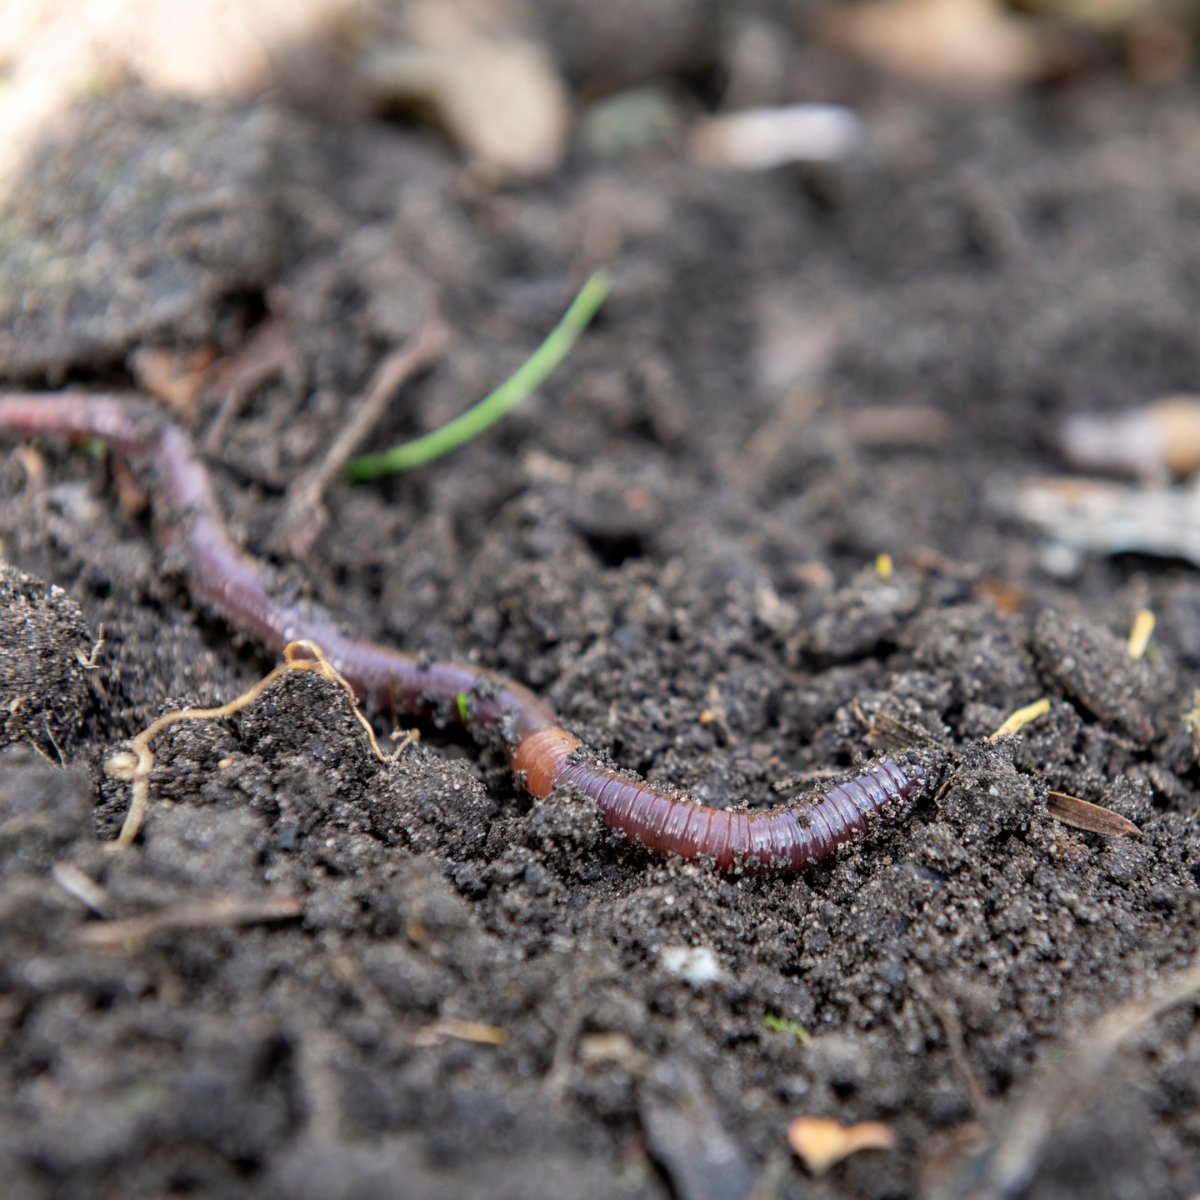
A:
(1090, 514)
(1080, 814)
(967, 43)
(1104, 16)
(177, 378)
(758, 139)
(1153, 442)
(1007, 597)
(823, 1141)
(501, 98)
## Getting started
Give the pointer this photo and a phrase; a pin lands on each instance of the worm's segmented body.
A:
(783, 839)
(492, 707)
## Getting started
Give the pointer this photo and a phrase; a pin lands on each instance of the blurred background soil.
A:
(773, 515)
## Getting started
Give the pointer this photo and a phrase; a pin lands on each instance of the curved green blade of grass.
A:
(492, 407)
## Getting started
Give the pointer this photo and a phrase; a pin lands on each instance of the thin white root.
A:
(134, 765)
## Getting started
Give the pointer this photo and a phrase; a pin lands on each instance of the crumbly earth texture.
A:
(675, 542)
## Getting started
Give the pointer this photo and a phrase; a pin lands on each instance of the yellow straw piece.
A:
(1017, 721)
(1139, 635)
(464, 1031)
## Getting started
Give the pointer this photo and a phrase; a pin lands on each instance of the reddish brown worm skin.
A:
(492, 707)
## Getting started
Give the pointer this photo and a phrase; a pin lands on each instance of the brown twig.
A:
(1066, 1086)
(555, 1080)
(979, 1100)
(891, 731)
(267, 353)
(215, 910)
(304, 515)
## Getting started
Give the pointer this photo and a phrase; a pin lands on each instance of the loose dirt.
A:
(675, 542)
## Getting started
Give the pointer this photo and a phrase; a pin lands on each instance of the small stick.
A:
(1066, 1085)
(979, 1100)
(304, 515)
(267, 353)
(555, 1080)
(217, 910)
(886, 728)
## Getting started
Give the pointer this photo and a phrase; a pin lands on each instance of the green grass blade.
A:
(492, 407)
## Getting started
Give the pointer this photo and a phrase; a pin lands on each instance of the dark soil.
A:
(674, 542)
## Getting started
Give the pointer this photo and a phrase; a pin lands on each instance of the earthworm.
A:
(493, 708)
